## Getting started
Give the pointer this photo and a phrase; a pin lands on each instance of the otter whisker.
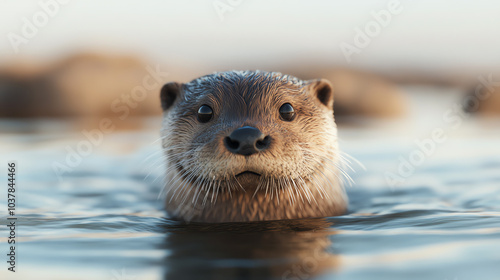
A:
(200, 180)
(155, 153)
(267, 187)
(346, 155)
(340, 169)
(200, 189)
(277, 190)
(237, 182)
(212, 182)
(215, 192)
(175, 178)
(230, 185)
(290, 194)
(259, 185)
(297, 191)
(189, 176)
(317, 169)
(301, 170)
(300, 189)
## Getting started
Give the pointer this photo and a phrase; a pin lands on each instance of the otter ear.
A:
(169, 93)
(323, 90)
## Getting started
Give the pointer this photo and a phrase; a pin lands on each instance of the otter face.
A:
(237, 132)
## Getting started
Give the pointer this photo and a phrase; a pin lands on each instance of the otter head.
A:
(252, 145)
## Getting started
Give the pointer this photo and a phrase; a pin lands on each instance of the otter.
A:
(245, 146)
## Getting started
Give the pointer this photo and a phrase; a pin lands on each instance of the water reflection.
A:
(296, 249)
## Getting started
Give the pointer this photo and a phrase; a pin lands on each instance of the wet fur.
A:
(300, 172)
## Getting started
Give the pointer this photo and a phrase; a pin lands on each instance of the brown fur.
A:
(299, 172)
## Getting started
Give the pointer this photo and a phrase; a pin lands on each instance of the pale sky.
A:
(425, 35)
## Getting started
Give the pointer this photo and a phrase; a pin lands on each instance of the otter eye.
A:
(205, 113)
(287, 112)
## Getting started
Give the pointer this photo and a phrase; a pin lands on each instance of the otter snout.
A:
(246, 141)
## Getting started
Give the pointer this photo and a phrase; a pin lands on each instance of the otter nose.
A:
(246, 141)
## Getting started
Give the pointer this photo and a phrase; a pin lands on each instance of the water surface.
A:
(103, 220)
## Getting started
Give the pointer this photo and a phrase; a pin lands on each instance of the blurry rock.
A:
(92, 86)
(84, 85)
(361, 94)
(483, 101)
(96, 85)
(367, 95)
(24, 96)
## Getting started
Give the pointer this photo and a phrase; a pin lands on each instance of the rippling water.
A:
(103, 220)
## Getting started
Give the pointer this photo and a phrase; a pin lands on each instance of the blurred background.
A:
(73, 59)
(80, 113)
